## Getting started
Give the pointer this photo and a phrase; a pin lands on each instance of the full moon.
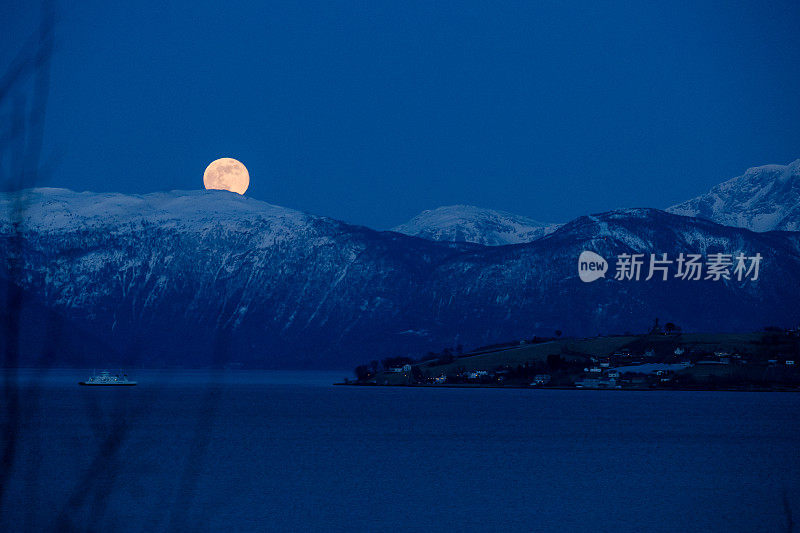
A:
(226, 174)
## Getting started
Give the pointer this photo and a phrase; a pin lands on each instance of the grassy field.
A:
(568, 349)
(757, 347)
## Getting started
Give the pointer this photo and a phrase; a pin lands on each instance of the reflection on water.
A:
(68, 377)
(287, 451)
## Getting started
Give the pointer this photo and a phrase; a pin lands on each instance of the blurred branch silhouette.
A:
(179, 515)
(24, 88)
(24, 91)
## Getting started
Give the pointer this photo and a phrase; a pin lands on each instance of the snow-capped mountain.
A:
(209, 277)
(65, 211)
(764, 198)
(466, 223)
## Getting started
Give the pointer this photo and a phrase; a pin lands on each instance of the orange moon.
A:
(226, 174)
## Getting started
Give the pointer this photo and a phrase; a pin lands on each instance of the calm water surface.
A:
(198, 451)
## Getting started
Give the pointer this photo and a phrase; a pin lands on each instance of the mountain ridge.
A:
(764, 198)
(289, 290)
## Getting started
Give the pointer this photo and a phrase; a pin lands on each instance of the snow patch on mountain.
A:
(53, 210)
(466, 223)
(764, 198)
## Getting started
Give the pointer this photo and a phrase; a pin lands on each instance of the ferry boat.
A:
(106, 378)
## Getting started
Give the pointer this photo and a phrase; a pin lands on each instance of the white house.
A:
(541, 379)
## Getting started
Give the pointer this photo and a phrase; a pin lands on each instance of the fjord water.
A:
(190, 451)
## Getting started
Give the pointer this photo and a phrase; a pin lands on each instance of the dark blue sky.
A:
(371, 112)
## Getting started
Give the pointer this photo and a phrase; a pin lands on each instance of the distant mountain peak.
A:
(764, 198)
(467, 223)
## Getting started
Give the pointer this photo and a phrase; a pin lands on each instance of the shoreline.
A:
(517, 387)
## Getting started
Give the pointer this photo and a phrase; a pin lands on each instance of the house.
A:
(440, 379)
(406, 368)
(636, 380)
(789, 362)
(597, 383)
(613, 374)
(541, 379)
(394, 370)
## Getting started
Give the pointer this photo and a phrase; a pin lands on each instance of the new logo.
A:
(591, 266)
